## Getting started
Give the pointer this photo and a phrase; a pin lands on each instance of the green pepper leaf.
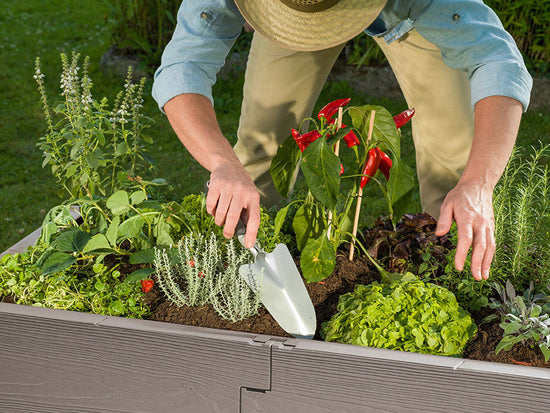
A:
(321, 168)
(284, 166)
(318, 259)
(308, 223)
(384, 132)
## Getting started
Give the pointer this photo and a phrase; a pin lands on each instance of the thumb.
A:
(445, 220)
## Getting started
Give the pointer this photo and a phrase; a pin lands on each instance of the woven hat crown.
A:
(310, 5)
(309, 24)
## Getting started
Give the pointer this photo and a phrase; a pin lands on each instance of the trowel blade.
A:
(283, 293)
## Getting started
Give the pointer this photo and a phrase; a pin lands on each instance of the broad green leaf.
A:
(112, 230)
(119, 202)
(280, 220)
(72, 240)
(121, 149)
(402, 181)
(308, 223)
(71, 170)
(56, 262)
(130, 228)
(162, 232)
(321, 168)
(92, 161)
(157, 181)
(138, 275)
(100, 137)
(143, 256)
(284, 166)
(384, 132)
(545, 351)
(47, 232)
(318, 259)
(137, 197)
(98, 243)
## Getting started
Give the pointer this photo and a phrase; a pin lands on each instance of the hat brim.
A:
(298, 30)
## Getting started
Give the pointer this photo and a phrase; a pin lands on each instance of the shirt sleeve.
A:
(204, 34)
(472, 38)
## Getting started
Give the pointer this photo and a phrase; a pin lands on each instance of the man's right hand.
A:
(232, 195)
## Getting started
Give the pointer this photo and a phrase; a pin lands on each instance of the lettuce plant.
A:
(408, 315)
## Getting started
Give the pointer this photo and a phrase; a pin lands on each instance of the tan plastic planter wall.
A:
(62, 361)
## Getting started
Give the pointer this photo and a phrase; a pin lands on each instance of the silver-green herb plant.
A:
(524, 318)
(197, 273)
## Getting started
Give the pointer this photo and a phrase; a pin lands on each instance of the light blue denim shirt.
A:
(468, 33)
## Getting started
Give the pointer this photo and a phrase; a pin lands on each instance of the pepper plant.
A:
(323, 220)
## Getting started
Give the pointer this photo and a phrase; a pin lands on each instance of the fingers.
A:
(252, 225)
(465, 236)
(445, 220)
(228, 202)
(475, 227)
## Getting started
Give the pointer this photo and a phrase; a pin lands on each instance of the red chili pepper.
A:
(147, 285)
(331, 108)
(304, 140)
(351, 139)
(191, 263)
(385, 164)
(402, 118)
(371, 166)
(341, 169)
(202, 274)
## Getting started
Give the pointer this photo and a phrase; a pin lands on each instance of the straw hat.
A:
(310, 24)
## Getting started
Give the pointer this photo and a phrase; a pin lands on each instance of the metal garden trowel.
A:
(276, 279)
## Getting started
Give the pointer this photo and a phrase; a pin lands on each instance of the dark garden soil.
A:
(413, 235)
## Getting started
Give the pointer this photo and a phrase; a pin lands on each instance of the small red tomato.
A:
(147, 285)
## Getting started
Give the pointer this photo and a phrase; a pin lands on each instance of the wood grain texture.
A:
(340, 379)
(60, 361)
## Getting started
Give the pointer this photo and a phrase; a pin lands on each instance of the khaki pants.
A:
(282, 86)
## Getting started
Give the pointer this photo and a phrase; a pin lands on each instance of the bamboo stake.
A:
(360, 194)
(337, 153)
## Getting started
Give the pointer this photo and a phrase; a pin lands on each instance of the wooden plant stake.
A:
(337, 153)
(360, 193)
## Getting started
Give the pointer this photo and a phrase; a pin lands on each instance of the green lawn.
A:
(46, 28)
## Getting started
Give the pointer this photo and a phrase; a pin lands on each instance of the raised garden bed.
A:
(55, 360)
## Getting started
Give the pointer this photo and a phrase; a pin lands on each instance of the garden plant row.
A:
(133, 251)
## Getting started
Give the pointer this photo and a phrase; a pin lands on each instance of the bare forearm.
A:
(232, 195)
(193, 119)
(469, 204)
(497, 120)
